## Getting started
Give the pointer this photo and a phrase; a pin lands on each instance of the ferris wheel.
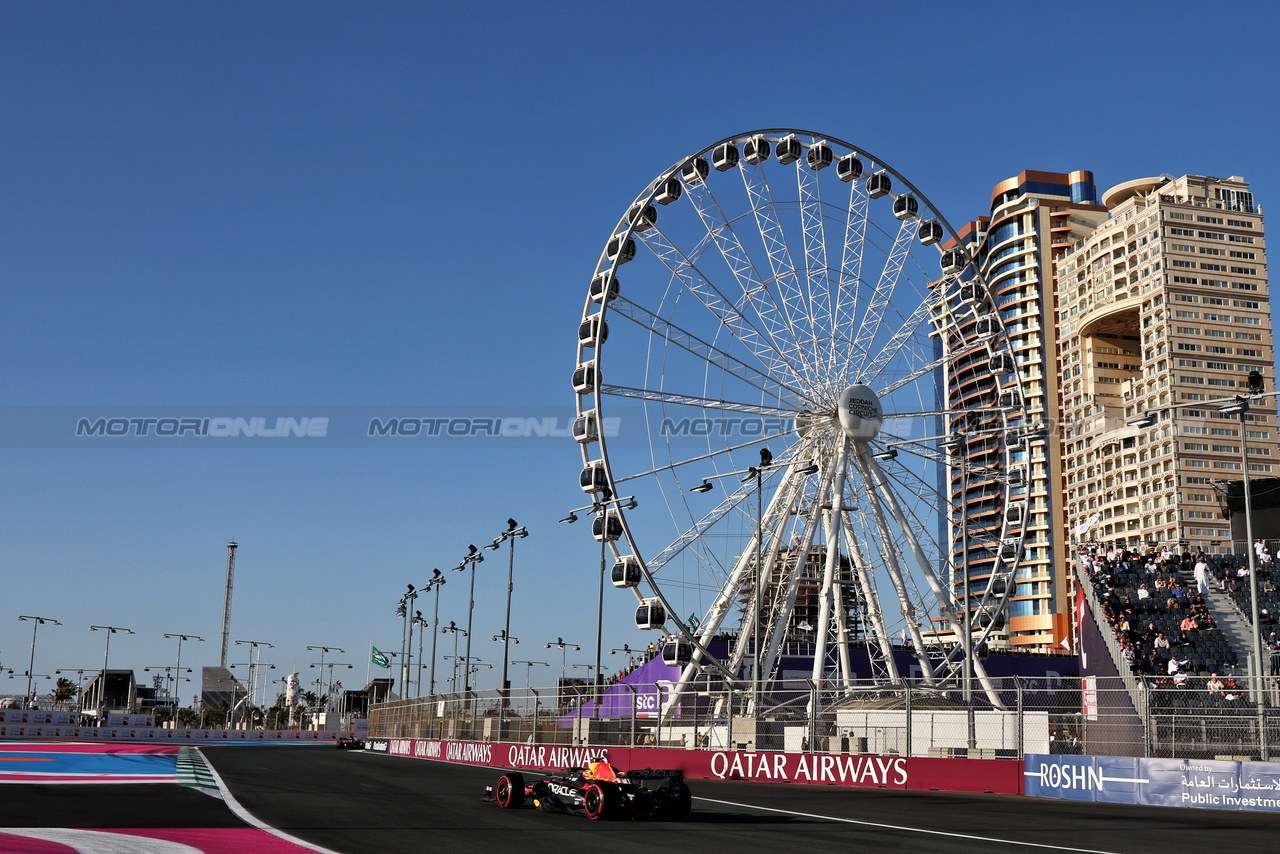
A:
(801, 419)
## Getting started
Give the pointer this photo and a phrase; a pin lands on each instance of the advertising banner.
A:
(894, 772)
(35, 716)
(1206, 783)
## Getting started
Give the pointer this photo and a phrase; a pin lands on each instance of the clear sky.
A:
(320, 205)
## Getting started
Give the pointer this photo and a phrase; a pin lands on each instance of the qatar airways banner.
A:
(1206, 783)
(894, 772)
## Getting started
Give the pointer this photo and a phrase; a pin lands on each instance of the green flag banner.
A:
(379, 657)
(694, 622)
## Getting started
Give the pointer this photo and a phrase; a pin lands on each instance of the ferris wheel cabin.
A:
(626, 572)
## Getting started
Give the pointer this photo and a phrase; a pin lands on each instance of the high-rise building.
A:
(1161, 308)
(1035, 217)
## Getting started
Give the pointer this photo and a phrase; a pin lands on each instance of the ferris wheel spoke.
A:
(924, 370)
(690, 400)
(846, 300)
(685, 270)
(728, 449)
(870, 325)
(784, 337)
(813, 228)
(691, 343)
(728, 505)
(782, 265)
(901, 337)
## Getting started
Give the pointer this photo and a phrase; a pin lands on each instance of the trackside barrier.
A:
(1205, 783)
(893, 772)
(167, 736)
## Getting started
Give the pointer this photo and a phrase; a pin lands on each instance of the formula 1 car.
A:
(350, 743)
(599, 791)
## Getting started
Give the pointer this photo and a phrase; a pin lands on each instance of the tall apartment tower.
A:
(1035, 217)
(1162, 307)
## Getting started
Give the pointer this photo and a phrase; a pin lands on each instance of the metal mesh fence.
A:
(1235, 718)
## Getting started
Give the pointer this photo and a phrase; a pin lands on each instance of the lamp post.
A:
(1240, 407)
(402, 611)
(452, 629)
(320, 673)
(527, 670)
(79, 684)
(958, 449)
(325, 689)
(422, 633)
(564, 653)
(35, 624)
(255, 650)
(106, 652)
(178, 665)
(437, 580)
(601, 511)
(472, 558)
(513, 533)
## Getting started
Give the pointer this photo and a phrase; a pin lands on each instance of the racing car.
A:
(350, 743)
(599, 791)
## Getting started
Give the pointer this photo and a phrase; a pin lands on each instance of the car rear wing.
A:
(653, 773)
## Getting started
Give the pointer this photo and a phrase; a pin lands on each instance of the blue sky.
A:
(318, 205)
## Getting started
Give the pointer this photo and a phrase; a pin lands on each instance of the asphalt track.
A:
(357, 802)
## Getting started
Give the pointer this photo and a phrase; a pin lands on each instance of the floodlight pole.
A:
(35, 624)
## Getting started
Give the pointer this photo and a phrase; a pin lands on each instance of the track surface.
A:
(354, 802)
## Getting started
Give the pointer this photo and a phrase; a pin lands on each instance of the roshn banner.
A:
(379, 657)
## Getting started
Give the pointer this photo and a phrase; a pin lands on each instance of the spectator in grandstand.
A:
(1265, 617)
(1180, 679)
(1143, 592)
(1161, 642)
(1274, 645)
(1176, 665)
(1214, 685)
(1202, 576)
(1189, 623)
(1258, 548)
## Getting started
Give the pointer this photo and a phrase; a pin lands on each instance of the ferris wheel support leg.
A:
(876, 490)
(932, 578)
(797, 569)
(842, 627)
(872, 601)
(833, 560)
(720, 607)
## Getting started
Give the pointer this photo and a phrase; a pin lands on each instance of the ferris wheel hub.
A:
(861, 415)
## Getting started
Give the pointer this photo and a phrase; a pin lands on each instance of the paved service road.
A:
(359, 802)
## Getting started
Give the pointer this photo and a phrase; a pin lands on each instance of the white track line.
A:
(248, 818)
(908, 829)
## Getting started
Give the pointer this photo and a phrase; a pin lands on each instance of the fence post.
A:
(1147, 720)
(813, 715)
(1262, 713)
(633, 712)
(1017, 685)
(536, 702)
(906, 705)
(728, 702)
(658, 740)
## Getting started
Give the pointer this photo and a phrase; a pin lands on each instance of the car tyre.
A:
(510, 792)
(602, 801)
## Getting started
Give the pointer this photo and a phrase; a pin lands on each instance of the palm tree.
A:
(65, 692)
